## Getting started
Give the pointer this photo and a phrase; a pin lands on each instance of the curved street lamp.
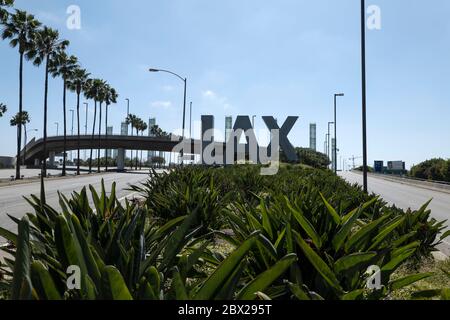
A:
(185, 89)
(184, 103)
(335, 132)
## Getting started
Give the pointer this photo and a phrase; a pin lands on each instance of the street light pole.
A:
(190, 121)
(72, 112)
(329, 135)
(128, 125)
(86, 122)
(86, 127)
(184, 109)
(184, 103)
(71, 131)
(57, 128)
(335, 132)
(364, 97)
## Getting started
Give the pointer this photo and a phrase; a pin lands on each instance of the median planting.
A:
(218, 233)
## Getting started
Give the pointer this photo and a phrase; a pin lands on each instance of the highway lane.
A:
(408, 196)
(12, 202)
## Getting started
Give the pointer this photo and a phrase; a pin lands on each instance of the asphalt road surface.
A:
(408, 196)
(12, 202)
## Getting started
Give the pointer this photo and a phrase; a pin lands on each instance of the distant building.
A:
(313, 136)
(124, 129)
(7, 162)
(396, 166)
(378, 166)
(228, 127)
(393, 167)
(109, 131)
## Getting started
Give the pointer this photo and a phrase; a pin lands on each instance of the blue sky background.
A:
(277, 58)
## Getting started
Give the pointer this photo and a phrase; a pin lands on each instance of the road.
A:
(12, 202)
(408, 196)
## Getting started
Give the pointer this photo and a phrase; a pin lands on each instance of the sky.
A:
(264, 58)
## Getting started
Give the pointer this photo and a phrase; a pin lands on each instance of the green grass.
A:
(428, 264)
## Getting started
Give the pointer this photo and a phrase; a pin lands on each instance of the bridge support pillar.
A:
(52, 160)
(121, 160)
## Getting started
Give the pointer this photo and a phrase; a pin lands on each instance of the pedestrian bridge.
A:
(34, 150)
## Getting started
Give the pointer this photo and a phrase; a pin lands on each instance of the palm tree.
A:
(101, 98)
(47, 46)
(131, 120)
(92, 91)
(20, 29)
(137, 125)
(142, 127)
(3, 12)
(111, 97)
(76, 83)
(63, 66)
(3, 109)
(19, 120)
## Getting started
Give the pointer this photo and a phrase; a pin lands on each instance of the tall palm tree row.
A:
(62, 65)
(20, 29)
(43, 46)
(77, 83)
(47, 46)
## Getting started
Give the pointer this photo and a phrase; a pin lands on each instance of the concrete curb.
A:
(52, 178)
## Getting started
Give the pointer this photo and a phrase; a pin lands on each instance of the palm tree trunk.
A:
(44, 157)
(19, 127)
(132, 149)
(99, 138)
(106, 137)
(140, 164)
(25, 143)
(78, 140)
(137, 152)
(65, 130)
(93, 135)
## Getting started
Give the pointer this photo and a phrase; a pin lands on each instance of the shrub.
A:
(302, 234)
(434, 169)
(311, 158)
(122, 255)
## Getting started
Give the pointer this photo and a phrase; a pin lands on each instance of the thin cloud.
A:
(161, 104)
(50, 18)
(167, 88)
(216, 100)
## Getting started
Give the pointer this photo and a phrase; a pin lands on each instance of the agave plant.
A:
(334, 250)
(123, 255)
